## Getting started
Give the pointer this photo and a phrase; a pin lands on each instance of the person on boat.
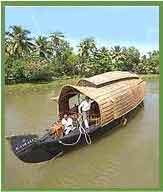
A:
(75, 120)
(67, 122)
(57, 129)
(84, 109)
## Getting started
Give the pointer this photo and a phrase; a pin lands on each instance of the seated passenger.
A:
(67, 122)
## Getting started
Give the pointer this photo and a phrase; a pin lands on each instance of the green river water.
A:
(126, 158)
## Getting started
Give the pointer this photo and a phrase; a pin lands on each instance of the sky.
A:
(110, 26)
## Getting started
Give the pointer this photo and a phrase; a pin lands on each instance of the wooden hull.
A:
(30, 149)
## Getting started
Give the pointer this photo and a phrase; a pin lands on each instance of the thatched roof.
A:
(106, 78)
(114, 99)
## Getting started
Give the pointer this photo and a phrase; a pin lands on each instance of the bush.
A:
(38, 70)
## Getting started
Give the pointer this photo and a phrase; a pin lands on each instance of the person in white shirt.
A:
(67, 123)
(84, 109)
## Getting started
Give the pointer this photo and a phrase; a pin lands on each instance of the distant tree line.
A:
(47, 58)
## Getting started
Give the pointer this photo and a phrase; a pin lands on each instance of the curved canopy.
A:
(106, 78)
(69, 91)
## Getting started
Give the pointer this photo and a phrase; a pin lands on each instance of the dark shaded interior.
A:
(64, 106)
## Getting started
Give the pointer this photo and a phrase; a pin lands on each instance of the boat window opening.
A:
(94, 113)
(73, 101)
(69, 101)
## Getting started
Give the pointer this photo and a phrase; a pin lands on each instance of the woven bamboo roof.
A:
(106, 78)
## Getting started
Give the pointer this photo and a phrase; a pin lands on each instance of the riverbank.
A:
(43, 86)
(23, 87)
(150, 76)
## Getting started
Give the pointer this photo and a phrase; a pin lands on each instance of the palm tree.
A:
(87, 51)
(118, 56)
(87, 47)
(8, 47)
(19, 43)
(117, 53)
(56, 39)
(42, 47)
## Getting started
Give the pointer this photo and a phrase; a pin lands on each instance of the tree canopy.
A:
(50, 57)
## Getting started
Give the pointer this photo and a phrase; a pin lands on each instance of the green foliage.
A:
(18, 43)
(42, 48)
(37, 70)
(47, 58)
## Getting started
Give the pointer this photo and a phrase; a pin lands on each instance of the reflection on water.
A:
(128, 157)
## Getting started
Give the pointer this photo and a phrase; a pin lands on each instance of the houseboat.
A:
(114, 95)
